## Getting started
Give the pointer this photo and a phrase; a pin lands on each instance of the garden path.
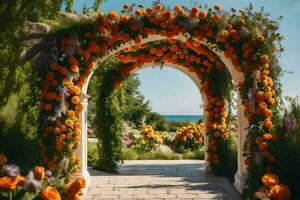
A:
(160, 179)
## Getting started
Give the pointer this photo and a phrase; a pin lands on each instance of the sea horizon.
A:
(183, 118)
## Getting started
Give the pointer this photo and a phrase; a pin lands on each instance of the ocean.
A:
(183, 118)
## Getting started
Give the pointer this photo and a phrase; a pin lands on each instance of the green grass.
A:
(197, 154)
(134, 154)
(92, 153)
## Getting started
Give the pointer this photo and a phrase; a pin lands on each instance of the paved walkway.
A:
(160, 179)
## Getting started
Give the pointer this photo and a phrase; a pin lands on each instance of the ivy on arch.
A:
(240, 36)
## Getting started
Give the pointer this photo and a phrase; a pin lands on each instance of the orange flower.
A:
(217, 18)
(280, 192)
(264, 58)
(267, 136)
(202, 15)
(9, 183)
(48, 107)
(75, 100)
(74, 68)
(217, 7)
(112, 14)
(75, 188)
(138, 40)
(50, 193)
(138, 12)
(71, 113)
(126, 6)
(39, 172)
(263, 146)
(69, 123)
(76, 90)
(268, 123)
(50, 76)
(3, 160)
(270, 180)
(261, 38)
(56, 131)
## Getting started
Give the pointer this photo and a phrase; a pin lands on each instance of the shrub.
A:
(150, 138)
(189, 137)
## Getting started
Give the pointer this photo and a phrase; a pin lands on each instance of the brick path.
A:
(160, 179)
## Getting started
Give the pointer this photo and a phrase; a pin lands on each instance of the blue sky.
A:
(172, 92)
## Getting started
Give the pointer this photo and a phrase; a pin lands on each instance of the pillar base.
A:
(239, 181)
(86, 176)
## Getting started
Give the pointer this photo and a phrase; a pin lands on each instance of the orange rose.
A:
(69, 123)
(75, 188)
(3, 160)
(8, 183)
(280, 192)
(270, 179)
(39, 172)
(50, 193)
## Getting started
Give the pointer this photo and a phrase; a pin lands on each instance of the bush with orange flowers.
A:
(150, 138)
(190, 137)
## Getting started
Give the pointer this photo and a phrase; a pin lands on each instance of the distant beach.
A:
(183, 118)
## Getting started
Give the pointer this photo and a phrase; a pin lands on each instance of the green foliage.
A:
(288, 149)
(110, 109)
(136, 154)
(228, 158)
(93, 153)
(196, 154)
(19, 120)
(136, 108)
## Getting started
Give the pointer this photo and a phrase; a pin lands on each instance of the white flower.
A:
(31, 184)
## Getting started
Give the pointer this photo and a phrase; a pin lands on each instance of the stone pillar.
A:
(241, 174)
(81, 152)
(206, 164)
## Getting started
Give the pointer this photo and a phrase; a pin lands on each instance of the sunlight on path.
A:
(160, 179)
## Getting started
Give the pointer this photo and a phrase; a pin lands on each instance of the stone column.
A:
(206, 164)
(81, 152)
(241, 174)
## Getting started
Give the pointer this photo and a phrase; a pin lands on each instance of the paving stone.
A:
(153, 179)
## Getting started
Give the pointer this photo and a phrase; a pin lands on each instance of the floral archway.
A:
(207, 42)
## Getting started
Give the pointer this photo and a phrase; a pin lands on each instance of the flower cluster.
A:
(148, 134)
(193, 132)
(38, 183)
(272, 188)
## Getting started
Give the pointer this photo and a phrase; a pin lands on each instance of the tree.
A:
(136, 107)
